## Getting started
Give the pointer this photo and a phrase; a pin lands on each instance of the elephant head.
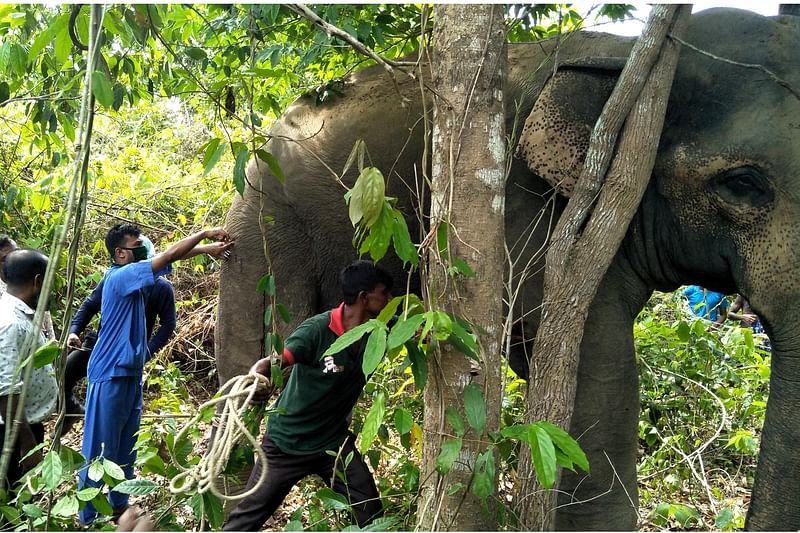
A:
(723, 206)
(721, 210)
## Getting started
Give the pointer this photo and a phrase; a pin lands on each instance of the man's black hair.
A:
(22, 266)
(6, 240)
(362, 275)
(117, 234)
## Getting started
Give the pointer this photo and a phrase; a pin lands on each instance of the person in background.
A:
(23, 272)
(114, 394)
(707, 304)
(8, 245)
(311, 435)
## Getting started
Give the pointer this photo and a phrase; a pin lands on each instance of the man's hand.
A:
(73, 341)
(133, 520)
(217, 249)
(264, 391)
(749, 319)
(218, 234)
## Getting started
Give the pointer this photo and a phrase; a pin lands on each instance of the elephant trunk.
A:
(776, 492)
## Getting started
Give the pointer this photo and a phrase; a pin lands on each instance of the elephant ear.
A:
(556, 134)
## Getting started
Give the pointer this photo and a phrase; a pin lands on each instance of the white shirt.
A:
(16, 319)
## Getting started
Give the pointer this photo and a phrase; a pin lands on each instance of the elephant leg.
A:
(605, 420)
(240, 330)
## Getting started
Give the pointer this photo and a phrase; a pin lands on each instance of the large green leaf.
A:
(376, 348)
(136, 487)
(52, 470)
(450, 450)
(475, 408)
(273, 165)
(419, 364)
(403, 245)
(102, 89)
(212, 506)
(66, 506)
(403, 330)
(372, 196)
(352, 336)
(566, 444)
(403, 421)
(332, 500)
(455, 420)
(96, 470)
(113, 470)
(213, 152)
(544, 456)
(372, 423)
(241, 155)
(88, 494)
(483, 482)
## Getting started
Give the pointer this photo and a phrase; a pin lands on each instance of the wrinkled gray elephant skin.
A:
(721, 210)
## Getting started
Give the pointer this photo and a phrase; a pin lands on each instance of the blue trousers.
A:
(113, 414)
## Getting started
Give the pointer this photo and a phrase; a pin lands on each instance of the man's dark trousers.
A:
(285, 470)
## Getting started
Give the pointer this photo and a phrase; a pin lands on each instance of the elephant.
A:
(721, 210)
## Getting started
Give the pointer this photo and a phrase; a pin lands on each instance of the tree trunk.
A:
(468, 197)
(590, 231)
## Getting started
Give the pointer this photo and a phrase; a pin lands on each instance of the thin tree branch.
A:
(774, 77)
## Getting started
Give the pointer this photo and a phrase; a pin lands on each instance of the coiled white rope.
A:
(230, 431)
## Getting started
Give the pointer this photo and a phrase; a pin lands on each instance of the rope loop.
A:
(230, 431)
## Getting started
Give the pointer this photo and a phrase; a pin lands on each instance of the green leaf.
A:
(33, 511)
(372, 196)
(273, 165)
(88, 494)
(372, 423)
(113, 470)
(355, 204)
(441, 238)
(242, 154)
(266, 285)
(5, 91)
(52, 470)
(403, 330)
(11, 514)
(101, 88)
(390, 310)
(67, 506)
(214, 150)
(62, 47)
(462, 267)
(332, 500)
(419, 364)
(403, 420)
(268, 315)
(136, 487)
(212, 506)
(516, 432)
(464, 341)
(403, 244)
(544, 456)
(475, 408)
(683, 331)
(46, 354)
(198, 54)
(96, 471)
(380, 235)
(724, 519)
(18, 59)
(283, 311)
(352, 336)
(566, 444)
(455, 420)
(376, 348)
(450, 450)
(483, 483)
(685, 515)
(101, 505)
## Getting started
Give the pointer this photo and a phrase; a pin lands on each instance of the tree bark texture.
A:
(590, 231)
(468, 194)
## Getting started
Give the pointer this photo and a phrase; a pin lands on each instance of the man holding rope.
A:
(114, 394)
(316, 403)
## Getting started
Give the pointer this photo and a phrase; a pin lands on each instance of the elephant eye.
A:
(743, 186)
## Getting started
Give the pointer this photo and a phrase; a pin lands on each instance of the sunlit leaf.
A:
(372, 422)
(448, 455)
(475, 408)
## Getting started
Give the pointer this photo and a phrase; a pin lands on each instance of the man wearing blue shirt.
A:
(706, 304)
(114, 394)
